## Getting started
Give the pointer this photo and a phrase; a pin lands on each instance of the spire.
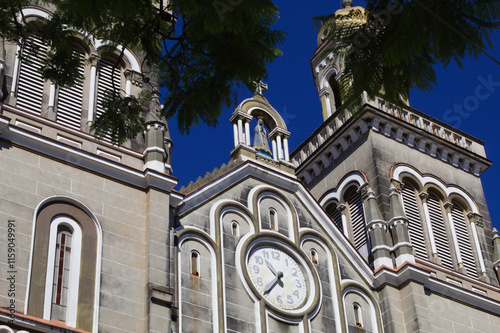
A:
(347, 3)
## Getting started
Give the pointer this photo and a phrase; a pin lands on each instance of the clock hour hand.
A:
(270, 266)
(276, 280)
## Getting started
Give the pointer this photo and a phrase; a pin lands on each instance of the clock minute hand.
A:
(273, 282)
(270, 266)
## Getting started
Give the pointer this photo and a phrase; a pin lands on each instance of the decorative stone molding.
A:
(405, 125)
(137, 79)
(396, 185)
(423, 196)
(475, 218)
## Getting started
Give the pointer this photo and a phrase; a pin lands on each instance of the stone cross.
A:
(260, 87)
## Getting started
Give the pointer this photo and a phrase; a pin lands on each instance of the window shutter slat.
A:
(30, 86)
(410, 206)
(439, 231)
(464, 243)
(70, 101)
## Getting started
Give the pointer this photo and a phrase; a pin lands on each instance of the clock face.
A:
(278, 277)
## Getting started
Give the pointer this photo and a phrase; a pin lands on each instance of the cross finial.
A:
(260, 87)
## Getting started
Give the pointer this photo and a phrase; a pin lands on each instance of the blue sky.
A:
(293, 94)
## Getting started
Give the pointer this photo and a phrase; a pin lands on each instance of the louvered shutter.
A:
(357, 220)
(30, 86)
(439, 231)
(410, 206)
(69, 101)
(109, 79)
(336, 216)
(464, 243)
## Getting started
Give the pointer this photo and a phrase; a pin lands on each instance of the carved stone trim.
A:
(475, 218)
(137, 79)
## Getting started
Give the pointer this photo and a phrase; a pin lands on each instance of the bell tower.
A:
(327, 63)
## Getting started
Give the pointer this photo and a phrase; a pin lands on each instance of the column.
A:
(377, 231)
(247, 133)
(280, 147)
(476, 221)
(235, 134)
(341, 208)
(52, 99)
(403, 250)
(423, 197)
(448, 206)
(285, 144)
(128, 83)
(496, 253)
(275, 155)
(93, 76)
(240, 131)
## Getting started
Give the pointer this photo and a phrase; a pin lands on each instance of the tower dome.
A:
(346, 17)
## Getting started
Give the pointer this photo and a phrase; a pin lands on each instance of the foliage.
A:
(395, 48)
(201, 51)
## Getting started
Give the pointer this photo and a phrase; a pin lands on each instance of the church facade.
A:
(377, 222)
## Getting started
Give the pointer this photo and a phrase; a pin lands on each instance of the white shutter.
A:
(69, 101)
(109, 79)
(30, 86)
(410, 206)
(439, 231)
(357, 220)
(464, 243)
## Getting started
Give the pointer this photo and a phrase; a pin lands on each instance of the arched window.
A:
(354, 203)
(273, 219)
(314, 256)
(64, 258)
(458, 214)
(412, 212)
(235, 229)
(335, 215)
(358, 316)
(70, 100)
(109, 75)
(63, 231)
(195, 263)
(436, 215)
(30, 84)
(336, 102)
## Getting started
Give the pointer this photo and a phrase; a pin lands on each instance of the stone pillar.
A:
(398, 224)
(326, 108)
(496, 253)
(155, 154)
(341, 208)
(476, 221)
(377, 231)
(93, 77)
(51, 114)
(448, 206)
(423, 197)
(285, 146)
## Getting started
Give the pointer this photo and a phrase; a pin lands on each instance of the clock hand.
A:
(276, 280)
(270, 266)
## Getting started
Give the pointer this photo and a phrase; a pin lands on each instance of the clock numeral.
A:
(259, 260)
(266, 254)
(294, 271)
(297, 283)
(279, 300)
(296, 293)
(256, 269)
(286, 262)
(289, 299)
(276, 255)
(260, 283)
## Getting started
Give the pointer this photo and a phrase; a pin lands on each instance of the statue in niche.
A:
(260, 142)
